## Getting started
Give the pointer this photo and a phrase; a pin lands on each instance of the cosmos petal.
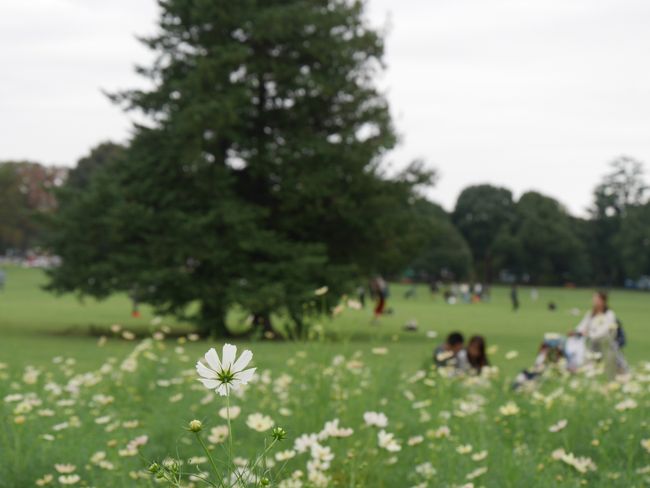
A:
(228, 356)
(212, 384)
(243, 361)
(246, 375)
(213, 359)
(204, 371)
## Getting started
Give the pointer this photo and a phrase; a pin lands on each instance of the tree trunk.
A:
(212, 320)
(262, 320)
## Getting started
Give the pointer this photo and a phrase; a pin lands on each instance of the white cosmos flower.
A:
(284, 455)
(479, 456)
(627, 404)
(387, 441)
(332, 429)
(218, 434)
(232, 412)
(512, 354)
(415, 440)
(509, 409)
(375, 419)
(321, 291)
(559, 426)
(464, 449)
(259, 422)
(304, 442)
(222, 375)
(645, 443)
(69, 479)
(476, 473)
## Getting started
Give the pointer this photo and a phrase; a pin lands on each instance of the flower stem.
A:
(210, 458)
(230, 441)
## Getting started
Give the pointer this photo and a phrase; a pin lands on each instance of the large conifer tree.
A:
(256, 178)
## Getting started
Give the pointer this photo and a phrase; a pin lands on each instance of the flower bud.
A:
(196, 426)
(279, 434)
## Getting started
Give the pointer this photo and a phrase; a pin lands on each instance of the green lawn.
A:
(66, 399)
(36, 325)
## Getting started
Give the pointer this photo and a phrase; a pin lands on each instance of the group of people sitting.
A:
(598, 338)
(455, 355)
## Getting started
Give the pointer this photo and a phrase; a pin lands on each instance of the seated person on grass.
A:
(451, 354)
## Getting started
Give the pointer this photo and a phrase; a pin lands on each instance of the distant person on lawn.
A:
(514, 298)
(600, 328)
(379, 290)
(451, 353)
(3, 278)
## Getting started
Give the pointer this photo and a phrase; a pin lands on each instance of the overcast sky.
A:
(529, 94)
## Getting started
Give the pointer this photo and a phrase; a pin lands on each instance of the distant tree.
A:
(99, 157)
(620, 189)
(13, 210)
(257, 177)
(634, 241)
(445, 253)
(624, 187)
(481, 213)
(551, 251)
(26, 198)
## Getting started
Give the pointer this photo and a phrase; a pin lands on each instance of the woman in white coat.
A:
(599, 327)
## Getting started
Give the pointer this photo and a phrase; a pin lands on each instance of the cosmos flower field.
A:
(127, 411)
(350, 421)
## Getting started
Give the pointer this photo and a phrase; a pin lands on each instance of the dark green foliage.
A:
(446, 254)
(100, 156)
(26, 199)
(634, 241)
(550, 250)
(482, 212)
(13, 210)
(622, 188)
(257, 178)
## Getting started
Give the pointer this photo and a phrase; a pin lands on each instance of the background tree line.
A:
(260, 177)
(487, 236)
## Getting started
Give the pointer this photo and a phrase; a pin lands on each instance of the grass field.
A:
(60, 387)
(36, 325)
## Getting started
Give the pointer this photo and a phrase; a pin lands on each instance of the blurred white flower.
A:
(284, 455)
(645, 443)
(304, 442)
(464, 449)
(415, 440)
(581, 464)
(509, 409)
(69, 479)
(259, 422)
(375, 419)
(45, 480)
(218, 434)
(627, 404)
(511, 354)
(387, 441)
(479, 456)
(232, 412)
(558, 426)
(332, 429)
(476, 473)
(426, 470)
